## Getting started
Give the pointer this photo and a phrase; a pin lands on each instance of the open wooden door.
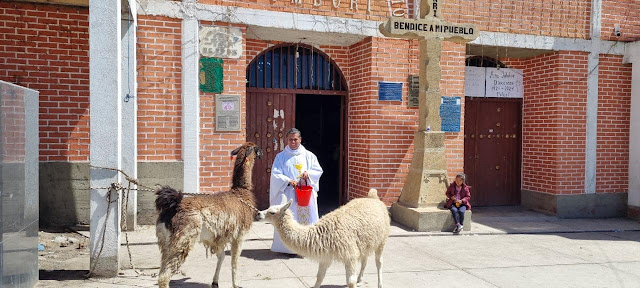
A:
(270, 116)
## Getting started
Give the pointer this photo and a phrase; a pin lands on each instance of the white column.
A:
(190, 99)
(106, 135)
(129, 112)
(592, 99)
(632, 55)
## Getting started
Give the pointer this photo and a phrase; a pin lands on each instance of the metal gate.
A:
(492, 150)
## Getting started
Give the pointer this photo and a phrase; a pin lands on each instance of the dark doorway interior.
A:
(318, 118)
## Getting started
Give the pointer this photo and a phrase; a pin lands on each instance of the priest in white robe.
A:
(291, 165)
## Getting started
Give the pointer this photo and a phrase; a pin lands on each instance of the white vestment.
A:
(283, 170)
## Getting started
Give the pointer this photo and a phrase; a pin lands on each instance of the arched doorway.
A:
(295, 85)
(493, 144)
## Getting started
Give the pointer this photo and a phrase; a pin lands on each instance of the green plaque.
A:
(211, 75)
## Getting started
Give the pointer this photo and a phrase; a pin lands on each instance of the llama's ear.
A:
(283, 200)
(235, 151)
(286, 206)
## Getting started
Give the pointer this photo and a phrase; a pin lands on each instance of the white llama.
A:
(349, 234)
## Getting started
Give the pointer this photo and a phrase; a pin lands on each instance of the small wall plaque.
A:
(228, 113)
(220, 42)
(390, 91)
(450, 114)
(211, 75)
(414, 91)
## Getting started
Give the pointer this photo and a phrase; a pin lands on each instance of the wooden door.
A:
(269, 117)
(492, 150)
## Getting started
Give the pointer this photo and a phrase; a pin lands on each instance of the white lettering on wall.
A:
(395, 10)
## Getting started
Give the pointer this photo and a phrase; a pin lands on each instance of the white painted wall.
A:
(632, 55)
(190, 99)
(591, 153)
(106, 133)
(129, 115)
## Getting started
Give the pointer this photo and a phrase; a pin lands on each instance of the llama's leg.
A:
(220, 255)
(363, 264)
(322, 270)
(236, 248)
(171, 262)
(350, 269)
(379, 264)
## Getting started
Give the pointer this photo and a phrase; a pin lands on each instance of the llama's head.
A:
(274, 212)
(246, 154)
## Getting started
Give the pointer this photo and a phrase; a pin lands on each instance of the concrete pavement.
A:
(507, 247)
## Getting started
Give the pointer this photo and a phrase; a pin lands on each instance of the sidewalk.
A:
(507, 247)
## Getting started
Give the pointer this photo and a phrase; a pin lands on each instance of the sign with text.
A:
(414, 91)
(450, 114)
(227, 113)
(504, 83)
(220, 42)
(389, 91)
(210, 75)
(493, 82)
(428, 28)
(474, 81)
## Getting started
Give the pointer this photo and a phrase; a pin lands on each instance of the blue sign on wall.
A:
(389, 91)
(450, 114)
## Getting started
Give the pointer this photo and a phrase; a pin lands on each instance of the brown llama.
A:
(214, 220)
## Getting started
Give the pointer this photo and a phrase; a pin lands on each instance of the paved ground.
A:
(507, 247)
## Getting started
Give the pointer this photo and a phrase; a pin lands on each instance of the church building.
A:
(541, 110)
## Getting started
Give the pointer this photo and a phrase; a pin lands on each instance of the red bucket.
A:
(303, 193)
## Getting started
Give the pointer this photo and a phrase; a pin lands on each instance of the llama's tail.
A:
(373, 193)
(167, 204)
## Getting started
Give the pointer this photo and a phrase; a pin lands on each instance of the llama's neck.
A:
(293, 234)
(242, 176)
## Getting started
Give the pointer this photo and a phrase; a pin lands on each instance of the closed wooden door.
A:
(492, 150)
(269, 117)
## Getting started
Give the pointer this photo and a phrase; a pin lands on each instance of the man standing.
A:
(293, 164)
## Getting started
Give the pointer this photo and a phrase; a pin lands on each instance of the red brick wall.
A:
(12, 123)
(159, 89)
(614, 104)
(452, 62)
(554, 123)
(562, 18)
(624, 13)
(46, 48)
(361, 91)
(215, 147)
(381, 133)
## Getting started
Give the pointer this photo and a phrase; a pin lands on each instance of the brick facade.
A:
(554, 123)
(159, 82)
(614, 108)
(45, 47)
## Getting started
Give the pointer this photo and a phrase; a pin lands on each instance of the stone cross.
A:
(426, 183)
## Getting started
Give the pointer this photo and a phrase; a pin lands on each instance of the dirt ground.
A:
(63, 248)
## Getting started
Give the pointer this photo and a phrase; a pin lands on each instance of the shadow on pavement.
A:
(62, 275)
(263, 254)
(182, 283)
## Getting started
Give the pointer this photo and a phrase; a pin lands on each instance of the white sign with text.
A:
(474, 81)
(504, 83)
